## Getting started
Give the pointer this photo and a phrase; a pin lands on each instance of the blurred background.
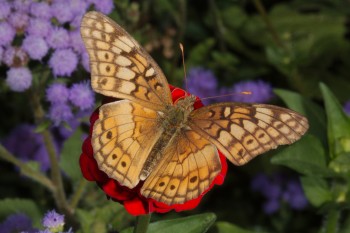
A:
(265, 47)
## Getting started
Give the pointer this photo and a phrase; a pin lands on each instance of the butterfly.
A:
(170, 147)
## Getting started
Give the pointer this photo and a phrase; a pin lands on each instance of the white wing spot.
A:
(102, 45)
(122, 61)
(227, 111)
(108, 28)
(121, 45)
(125, 73)
(149, 72)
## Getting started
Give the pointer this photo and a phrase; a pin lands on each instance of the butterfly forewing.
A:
(243, 131)
(120, 67)
(189, 166)
(122, 138)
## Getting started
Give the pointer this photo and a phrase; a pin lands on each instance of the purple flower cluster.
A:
(52, 219)
(62, 98)
(203, 83)
(347, 107)
(277, 189)
(50, 30)
(32, 146)
(17, 223)
(52, 222)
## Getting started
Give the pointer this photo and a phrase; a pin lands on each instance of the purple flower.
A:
(105, 6)
(76, 41)
(36, 47)
(271, 206)
(63, 62)
(27, 145)
(78, 7)
(82, 96)
(40, 10)
(15, 56)
(19, 79)
(60, 112)
(85, 61)
(16, 223)
(347, 107)
(53, 220)
(58, 38)
(261, 92)
(22, 5)
(65, 132)
(1, 54)
(39, 27)
(57, 93)
(75, 23)
(294, 195)
(202, 82)
(259, 182)
(5, 10)
(61, 11)
(18, 20)
(7, 33)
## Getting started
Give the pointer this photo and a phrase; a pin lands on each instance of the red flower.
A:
(132, 200)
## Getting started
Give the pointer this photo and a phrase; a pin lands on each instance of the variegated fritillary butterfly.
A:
(170, 146)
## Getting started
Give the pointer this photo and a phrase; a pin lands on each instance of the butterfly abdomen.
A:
(157, 152)
(172, 121)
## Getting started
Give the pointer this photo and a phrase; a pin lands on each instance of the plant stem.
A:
(78, 193)
(142, 223)
(332, 221)
(26, 170)
(56, 176)
(262, 11)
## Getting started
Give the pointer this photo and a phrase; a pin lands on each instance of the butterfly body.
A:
(171, 147)
(172, 121)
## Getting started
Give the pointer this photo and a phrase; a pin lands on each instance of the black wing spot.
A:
(172, 187)
(123, 164)
(108, 68)
(193, 179)
(161, 184)
(250, 141)
(109, 135)
(114, 156)
(106, 56)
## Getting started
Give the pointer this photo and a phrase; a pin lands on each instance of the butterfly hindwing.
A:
(189, 166)
(122, 138)
(243, 131)
(120, 67)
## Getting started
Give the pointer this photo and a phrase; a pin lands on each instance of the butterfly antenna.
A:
(218, 96)
(183, 63)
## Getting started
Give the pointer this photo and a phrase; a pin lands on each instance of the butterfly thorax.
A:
(172, 121)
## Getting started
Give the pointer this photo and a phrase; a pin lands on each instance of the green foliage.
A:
(225, 227)
(192, 224)
(10, 206)
(71, 151)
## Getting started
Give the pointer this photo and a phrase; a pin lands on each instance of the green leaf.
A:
(306, 156)
(316, 190)
(341, 163)
(200, 52)
(193, 224)
(16, 205)
(338, 123)
(225, 227)
(69, 161)
(314, 113)
(43, 126)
